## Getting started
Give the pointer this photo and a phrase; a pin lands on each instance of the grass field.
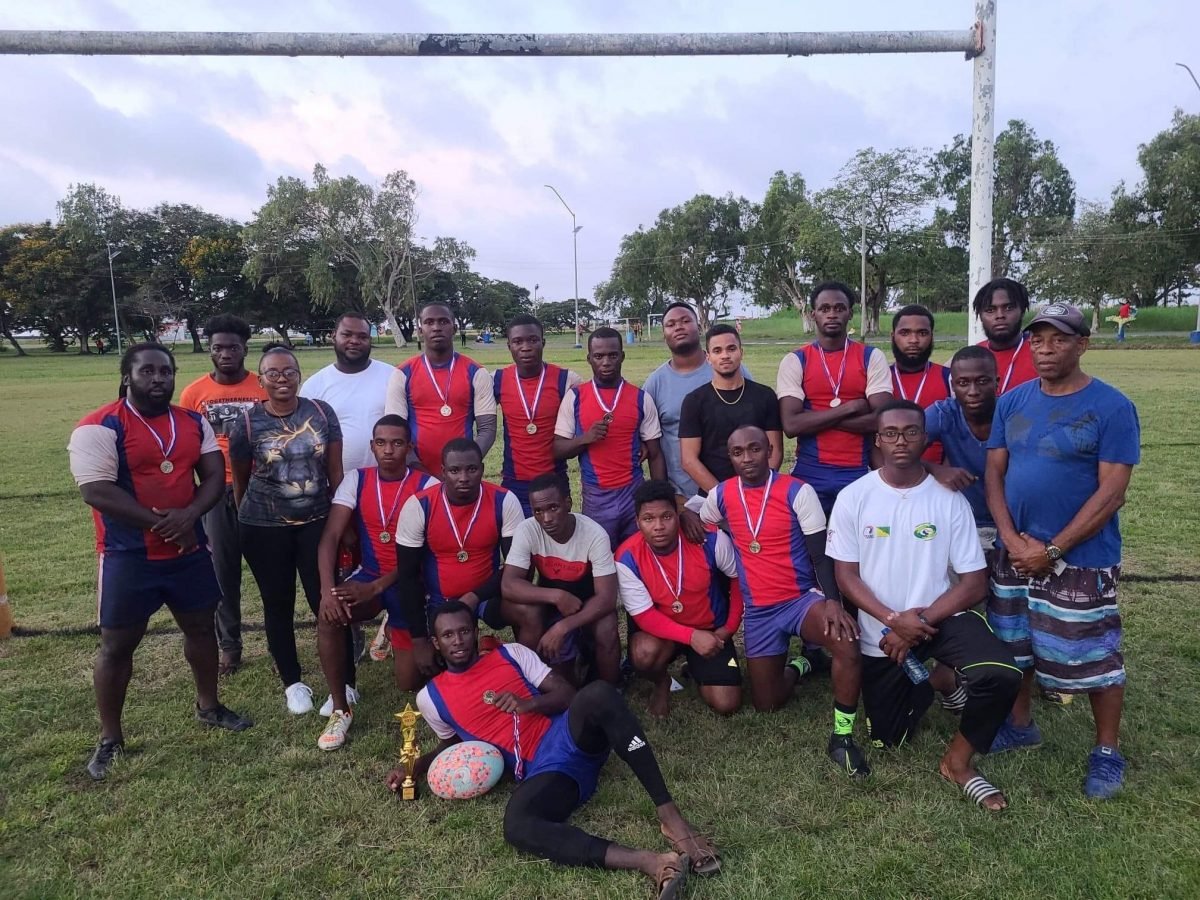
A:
(265, 814)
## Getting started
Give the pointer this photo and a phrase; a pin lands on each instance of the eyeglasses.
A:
(281, 374)
(910, 435)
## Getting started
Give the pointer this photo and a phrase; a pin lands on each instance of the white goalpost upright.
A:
(976, 43)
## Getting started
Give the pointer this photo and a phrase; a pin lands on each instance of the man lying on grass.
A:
(555, 742)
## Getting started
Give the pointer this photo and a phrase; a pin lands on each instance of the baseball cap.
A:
(1066, 318)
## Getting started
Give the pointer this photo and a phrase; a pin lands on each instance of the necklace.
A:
(531, 428)
(445, 409)
(385, 536)
(462, 556)
(916, 398)
(608, 410)
(755, 527)
(1011, 365)
(717, 391)
(837, 388)
(165, 448)
(676, 589)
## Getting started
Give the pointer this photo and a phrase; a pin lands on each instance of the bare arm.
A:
(775, 460)
(570, 447)
(327, 549)
(599, 605)
(241, 478)
(553, 696)
(1100, 507)
(689, 454)
(517, 587)
(993, 482)
(109, 500)
(798, 421)
(654, 456)
(866, 422)
(856, 591)
(333, 466)
(970, 589)
(485, 432)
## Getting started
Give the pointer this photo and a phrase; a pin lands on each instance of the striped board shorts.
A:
(1063, 625)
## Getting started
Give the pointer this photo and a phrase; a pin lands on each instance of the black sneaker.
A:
(847, 756)
(104, 756)
(221, 716)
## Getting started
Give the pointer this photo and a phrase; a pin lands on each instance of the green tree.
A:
(1034, 194)
(785, 246)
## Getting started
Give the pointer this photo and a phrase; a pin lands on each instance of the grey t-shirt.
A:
(668, 388)
(289, 483)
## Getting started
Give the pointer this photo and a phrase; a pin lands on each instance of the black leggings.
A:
(534, 820)
(894, 705)
(275, 556)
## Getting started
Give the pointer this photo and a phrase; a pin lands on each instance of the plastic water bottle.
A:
(913, 667)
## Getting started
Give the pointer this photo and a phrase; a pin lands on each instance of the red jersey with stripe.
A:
(528, 455)
(706, 605)
(445, 577)
(458, 700)
(138, 471)
(615, 461)
(1014, 366)
(379, 558)
(431, 431)
(924, 388)
(782, 570)
(833, 447)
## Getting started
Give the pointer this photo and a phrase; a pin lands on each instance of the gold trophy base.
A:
(408, 790)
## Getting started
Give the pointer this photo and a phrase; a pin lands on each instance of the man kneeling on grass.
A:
(555, 742)
(894, 536)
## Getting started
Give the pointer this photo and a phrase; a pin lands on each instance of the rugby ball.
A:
(466, 770)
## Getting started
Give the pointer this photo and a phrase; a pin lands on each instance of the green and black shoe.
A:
(847, 756)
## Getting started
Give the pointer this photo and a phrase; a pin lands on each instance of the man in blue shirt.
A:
(1060, 456)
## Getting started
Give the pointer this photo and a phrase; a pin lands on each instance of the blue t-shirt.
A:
(1055, 447)
(945, 422)
(667, 388)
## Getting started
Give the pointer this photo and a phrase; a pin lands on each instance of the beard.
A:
(919, 360)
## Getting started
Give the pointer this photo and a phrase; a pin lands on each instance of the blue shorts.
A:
(389, 599)
(770, 629)
(612, 509)
(828, 481)
(520, 490)
(557, 753)
(133, 588)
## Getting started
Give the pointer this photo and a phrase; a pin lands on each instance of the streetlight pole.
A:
(1196, 333)
(575, 229)
(112, 281)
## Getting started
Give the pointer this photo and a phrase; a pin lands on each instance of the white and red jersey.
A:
(924, 388)
(573, 566)
(531, 401)
(377, 503)
(614, 461)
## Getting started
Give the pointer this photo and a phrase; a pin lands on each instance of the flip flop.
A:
(228, 664)
(978, 789)
(705, 859)
(671, 877)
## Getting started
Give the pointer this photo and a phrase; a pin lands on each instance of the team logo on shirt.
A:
(925, 532)
(877, 531)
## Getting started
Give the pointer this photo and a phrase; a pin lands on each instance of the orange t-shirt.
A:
(221, 404)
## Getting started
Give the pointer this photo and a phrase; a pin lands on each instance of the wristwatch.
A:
(1053, 552)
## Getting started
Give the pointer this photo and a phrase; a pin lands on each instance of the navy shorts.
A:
(133, 588)
(558, 752)
(770, 629)
(389, 599)
(612, 509)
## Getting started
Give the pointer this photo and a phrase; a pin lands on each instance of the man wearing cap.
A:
(1060, 455)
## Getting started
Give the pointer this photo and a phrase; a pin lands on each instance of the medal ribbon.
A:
(837, 388)
(920, 387)
(449, 381)
(519, 766)
(1012, 363)
(537, 395)
(387, 520)
(755, 528)
(609, 410)
(164, 448)
(471, 524)
(677, 588)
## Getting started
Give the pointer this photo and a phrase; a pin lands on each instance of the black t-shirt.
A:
(713, 416)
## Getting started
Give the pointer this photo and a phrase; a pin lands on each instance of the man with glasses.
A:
(895, 535)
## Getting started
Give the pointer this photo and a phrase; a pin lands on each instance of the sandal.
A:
(978, 789)
(705, 859)
(229, 664)
(671, 877)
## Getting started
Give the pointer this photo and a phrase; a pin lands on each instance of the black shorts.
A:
(721, 670)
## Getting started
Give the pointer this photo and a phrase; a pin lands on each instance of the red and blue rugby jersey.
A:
(414, 396)
(705, 604)
(378, 558)
(802, 374)
(924, 388)
(782, 570)
(1014, 366)
(111, 444)
(457, 700)
(615, 461)
(528, 455)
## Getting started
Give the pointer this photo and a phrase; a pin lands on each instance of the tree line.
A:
(317, 247)
(907, 213)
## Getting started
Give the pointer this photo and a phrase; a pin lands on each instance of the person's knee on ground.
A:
(646, 654)
(607, 640)
(724, 700)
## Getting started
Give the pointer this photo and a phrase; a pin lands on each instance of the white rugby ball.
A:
(465, 770)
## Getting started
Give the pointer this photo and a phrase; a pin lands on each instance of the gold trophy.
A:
(410, 751)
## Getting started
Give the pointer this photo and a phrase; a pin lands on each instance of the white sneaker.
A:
(299, 698)
(334, 734)
(352, 697)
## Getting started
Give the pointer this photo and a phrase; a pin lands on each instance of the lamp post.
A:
(112, 281)
(575, 229)
(1196, 333)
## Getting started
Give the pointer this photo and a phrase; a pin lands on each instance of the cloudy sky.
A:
(621, 139)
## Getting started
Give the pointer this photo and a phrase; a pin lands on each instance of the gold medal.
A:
(489, 697)
(384, 537)
(531, 428)
(755, 547)
(677, 607)
(446, 410)
(835, 402)
(608, 417)
(166, 467)
(463, 556)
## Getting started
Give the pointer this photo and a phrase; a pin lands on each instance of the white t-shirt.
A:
(358, 400)
(532, 548)
(534, 670)
(905, 543)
